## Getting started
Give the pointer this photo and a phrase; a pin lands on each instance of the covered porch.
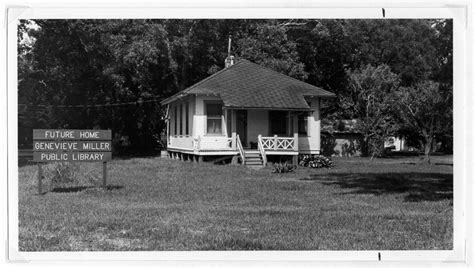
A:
(243, 134)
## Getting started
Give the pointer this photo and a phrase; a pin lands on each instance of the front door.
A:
(241, 125)
(278, 123)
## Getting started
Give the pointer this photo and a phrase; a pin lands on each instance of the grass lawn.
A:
(163, 204)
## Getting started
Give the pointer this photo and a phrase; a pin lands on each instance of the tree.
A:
(443, 42)
(406, 45)
(427, 109)
(78, 70)
(88, 62)
(324, 48)
(268, 44)
(78, 73)
(371, 102)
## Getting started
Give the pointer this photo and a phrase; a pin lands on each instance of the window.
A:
(187, 118)
(214, 118)
(181, 119)
(303, 123)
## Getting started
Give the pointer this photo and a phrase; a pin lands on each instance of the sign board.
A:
(72, 156)
(71, 134)
(72, 145)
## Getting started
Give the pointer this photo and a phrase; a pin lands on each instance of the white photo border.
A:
(463, 160)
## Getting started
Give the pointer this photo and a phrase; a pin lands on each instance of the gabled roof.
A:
(249, 85)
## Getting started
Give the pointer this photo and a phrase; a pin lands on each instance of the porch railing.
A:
(262, 151)
(276, 143)
(241, 149)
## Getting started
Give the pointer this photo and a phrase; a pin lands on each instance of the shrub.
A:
(315, 161)
(64, 173)
(283, 167)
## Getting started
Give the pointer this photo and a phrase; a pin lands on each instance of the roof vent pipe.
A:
(229, 61)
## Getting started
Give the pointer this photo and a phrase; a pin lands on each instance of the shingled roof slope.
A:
(249, 85)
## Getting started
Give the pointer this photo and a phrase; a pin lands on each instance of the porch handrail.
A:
(241, 149)
(262, 150)
(279, 143)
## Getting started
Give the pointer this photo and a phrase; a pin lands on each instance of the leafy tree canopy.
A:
(83, 63)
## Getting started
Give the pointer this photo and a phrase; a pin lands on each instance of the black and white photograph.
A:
(235, 134)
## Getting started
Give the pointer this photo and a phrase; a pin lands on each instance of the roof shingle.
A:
(249, 85)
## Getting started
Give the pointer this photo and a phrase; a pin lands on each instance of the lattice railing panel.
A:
(278, 143)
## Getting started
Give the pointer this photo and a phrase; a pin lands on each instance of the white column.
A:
(199, 118)
(314, 125)
(191, 115)
(168, 134)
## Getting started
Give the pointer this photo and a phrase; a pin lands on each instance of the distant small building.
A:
(396, 144)
(340, 138)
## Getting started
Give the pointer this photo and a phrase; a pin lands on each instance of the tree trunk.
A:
(427, 145)
(365, 146)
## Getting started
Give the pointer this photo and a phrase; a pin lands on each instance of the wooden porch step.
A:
(253, 161)
(252, 154)
(252, 151)
(253, 158)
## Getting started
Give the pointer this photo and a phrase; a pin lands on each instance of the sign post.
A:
(40, 179)
(104, 175)
(72, 145)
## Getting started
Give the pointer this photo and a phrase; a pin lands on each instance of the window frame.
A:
(186, 132)
(216, 117)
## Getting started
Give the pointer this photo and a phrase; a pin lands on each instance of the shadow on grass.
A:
(417, 186)
(75, 189)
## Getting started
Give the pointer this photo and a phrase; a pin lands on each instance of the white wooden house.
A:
(246, 112)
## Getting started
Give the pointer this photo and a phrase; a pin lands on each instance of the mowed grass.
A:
(163, 204)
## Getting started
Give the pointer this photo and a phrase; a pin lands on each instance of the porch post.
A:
(275, 144)
(233, 123)
(234, 140)
(295, 131)
(168, 118)
(289, 123)
(295, 137)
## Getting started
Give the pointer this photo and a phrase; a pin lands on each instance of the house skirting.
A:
(203, 152)
(309, 152)
(236, 152)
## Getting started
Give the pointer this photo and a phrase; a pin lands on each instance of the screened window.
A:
(175, 118)
(181, 114)
(214, 118)
(187, 118)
